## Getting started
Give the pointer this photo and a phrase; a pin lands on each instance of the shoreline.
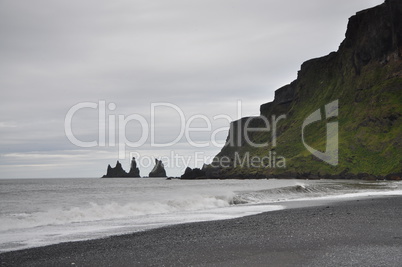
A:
(365, 231)
(303, 176)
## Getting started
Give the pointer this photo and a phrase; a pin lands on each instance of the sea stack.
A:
(119, 172)
(134, 171)
(158, 170)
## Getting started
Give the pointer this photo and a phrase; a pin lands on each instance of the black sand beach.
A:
(353, 233)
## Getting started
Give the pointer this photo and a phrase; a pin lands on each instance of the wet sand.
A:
(366, 232)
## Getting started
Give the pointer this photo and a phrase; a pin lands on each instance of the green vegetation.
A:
(370, 111)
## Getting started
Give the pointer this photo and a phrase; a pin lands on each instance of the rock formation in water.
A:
(158, 170)
(362, 80)
(119, 172)
(134, 171)
(195, 173)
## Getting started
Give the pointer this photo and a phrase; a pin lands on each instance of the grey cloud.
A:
(200, 55)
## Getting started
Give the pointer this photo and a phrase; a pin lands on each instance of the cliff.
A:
(341, 117)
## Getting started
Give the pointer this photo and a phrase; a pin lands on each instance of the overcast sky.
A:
(202, 57)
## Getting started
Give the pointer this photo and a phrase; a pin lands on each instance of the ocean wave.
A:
(187, 201)
(305, 190)
(95, 212)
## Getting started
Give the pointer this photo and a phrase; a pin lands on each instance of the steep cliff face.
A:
(362, 81)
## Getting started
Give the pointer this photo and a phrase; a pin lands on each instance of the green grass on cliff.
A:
(370, 130)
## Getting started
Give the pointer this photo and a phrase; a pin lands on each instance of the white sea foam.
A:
(113, 210)
(42, 212)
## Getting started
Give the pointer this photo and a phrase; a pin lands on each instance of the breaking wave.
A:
(95, 212)
(304, 190)
(92, 211)
(48, 214)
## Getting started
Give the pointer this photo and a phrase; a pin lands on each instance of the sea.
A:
(40, 212)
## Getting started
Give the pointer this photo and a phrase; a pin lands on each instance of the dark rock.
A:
(211, 171)
(193, 173)
(118, 171)
(134, 171)
(394, 176)
(158, 170)
(381, 25)
(283, 98)
(365, 176)
(187, 173)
